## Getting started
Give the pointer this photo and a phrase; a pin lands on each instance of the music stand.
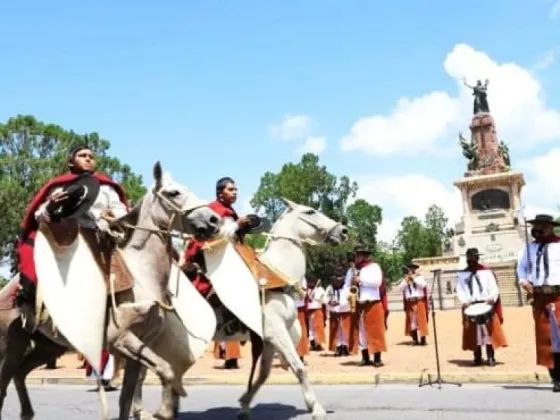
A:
(438, 380)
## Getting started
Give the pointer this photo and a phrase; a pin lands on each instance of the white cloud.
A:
(555, 10)
(545, 60)
(408, 195)
(417, 124)
(293, 127)
(313, 145)
(542, 192)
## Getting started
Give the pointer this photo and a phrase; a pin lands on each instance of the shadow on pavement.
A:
(525, 387)
(264, 411)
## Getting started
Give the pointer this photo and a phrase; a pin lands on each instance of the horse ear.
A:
(288, 203)
(158, 175)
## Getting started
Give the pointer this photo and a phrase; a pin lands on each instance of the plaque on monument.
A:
(490, 199)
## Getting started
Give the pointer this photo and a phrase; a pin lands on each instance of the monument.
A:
(490, 191)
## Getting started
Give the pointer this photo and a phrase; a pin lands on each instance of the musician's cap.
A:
(474, 252)
(361, 249)
(544, 219)
(411, 266)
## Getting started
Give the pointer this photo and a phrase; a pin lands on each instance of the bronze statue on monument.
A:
(480, 93)
(485, 155)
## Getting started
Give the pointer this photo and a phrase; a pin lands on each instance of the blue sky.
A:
(198, 84)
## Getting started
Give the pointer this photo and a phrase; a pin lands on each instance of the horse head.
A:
(305, 223)
(174, 206)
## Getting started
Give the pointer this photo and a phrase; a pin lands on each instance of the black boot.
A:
(555, 373)
(478, 356)
(490, 355)
(338, 351)
(377, 360)
(25, 301)
(231, 364)
(366, 361)
(345, 351)
(423, 341)
(414, 336)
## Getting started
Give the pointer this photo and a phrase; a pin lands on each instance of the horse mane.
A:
(131, 218)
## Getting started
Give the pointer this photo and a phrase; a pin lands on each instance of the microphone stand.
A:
(438, 380)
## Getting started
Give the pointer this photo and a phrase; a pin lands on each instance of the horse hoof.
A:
(143, 415)
(27, 416)
(319, 414)
(243, 415)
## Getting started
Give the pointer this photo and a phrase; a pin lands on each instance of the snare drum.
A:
(480, 313)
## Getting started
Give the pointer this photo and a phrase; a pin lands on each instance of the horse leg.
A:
(17, 342)
(128, 389)
(40, 355)
(138, 412)
(129, 345)
(283, 340)
(267, 357)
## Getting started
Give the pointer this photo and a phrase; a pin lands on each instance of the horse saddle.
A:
(260, 271)
(108, 258)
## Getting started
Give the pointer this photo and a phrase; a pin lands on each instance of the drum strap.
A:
(542, 253)
(469, 282)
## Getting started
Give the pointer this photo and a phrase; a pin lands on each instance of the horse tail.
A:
(257, 346)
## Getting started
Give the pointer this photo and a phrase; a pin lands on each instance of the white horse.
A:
(136, 316)
(284, 250)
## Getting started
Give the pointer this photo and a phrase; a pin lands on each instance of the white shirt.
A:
(229, 227)
(107, 199)
(411, 292)
(339, 296)
(318, 298)
(370, 278)
(552, 250)
(485, 288)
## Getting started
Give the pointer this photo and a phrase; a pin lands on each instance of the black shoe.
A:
(345, 351)
(423, 341)
(414, 336)
(490, 355)
(366, 361)
(231, 364)
(377, 360)
(338, 351)
(478, 357)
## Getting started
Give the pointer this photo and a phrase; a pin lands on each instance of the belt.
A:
(546, 290)
(365, 302)
(413, 300)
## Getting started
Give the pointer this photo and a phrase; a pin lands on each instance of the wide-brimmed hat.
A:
(544, 219)
(361, 249)
(257, 224)
(82, 193)
(473, 251)
(411, 266)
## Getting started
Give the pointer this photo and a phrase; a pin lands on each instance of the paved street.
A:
(511, 402)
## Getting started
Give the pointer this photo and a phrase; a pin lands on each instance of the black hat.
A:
(544, 218)
(411, 266)
(473, 251)
(82, 193)
(361, 249)
(257, 224)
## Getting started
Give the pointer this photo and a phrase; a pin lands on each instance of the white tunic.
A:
(411, 292)
(370, 278)
(483, 284)
(108, 199)
(544, 262)
(339, 301)
(317, 297)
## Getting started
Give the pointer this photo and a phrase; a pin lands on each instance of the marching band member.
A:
(315, 299)
(415, 300)
(372, 307)
(338, 307)
(538, 271)
(301, 304)
(477, 283)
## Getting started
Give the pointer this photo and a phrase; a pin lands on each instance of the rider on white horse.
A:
(82, 197)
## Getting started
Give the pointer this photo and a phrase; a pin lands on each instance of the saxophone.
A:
(354, 292)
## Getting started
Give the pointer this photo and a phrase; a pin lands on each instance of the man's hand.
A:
(243, 221)
(490, 301)
(528, 287)
(465, 305)
(355, 281)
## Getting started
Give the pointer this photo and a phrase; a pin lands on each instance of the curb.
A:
(332, 379)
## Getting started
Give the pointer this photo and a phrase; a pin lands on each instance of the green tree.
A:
(305, 183)
(31, 152)
(363, 221)
(417, 239)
